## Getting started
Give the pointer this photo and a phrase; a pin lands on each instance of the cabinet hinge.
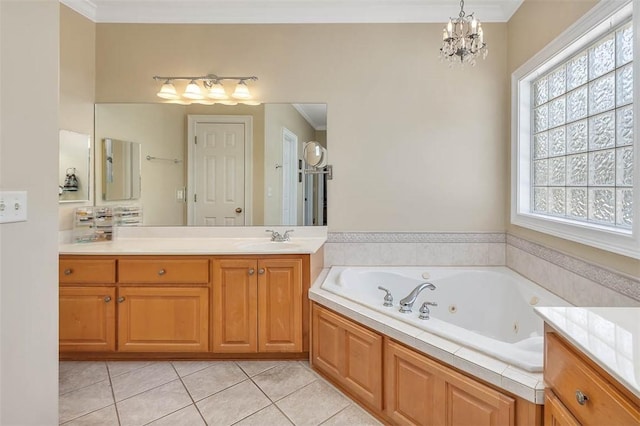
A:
(195, 138)
(195, 198)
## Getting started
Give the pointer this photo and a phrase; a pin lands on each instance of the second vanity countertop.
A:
(608, 336)
(200, 241)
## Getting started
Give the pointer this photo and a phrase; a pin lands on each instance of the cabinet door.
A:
(234, 306)
(467, 401)
(280, 305)
(413, 390)
(163, 319)
(87, 319)
(350, 354)
(555, 413)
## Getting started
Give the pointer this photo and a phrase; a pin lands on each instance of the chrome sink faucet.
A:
(276, 236)
(407, 303)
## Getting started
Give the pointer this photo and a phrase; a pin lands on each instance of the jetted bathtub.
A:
(488, 309)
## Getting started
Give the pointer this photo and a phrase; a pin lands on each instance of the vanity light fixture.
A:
(214, 90)
(463, 39)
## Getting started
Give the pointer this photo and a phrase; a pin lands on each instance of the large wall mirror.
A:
(217, 165)
(74, 177)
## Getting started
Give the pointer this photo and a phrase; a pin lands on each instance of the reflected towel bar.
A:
(175, 160)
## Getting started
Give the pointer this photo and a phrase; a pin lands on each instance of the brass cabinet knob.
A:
(68, 271)
(581, 398)
(252, 271)
(107, 299)
(162, 272)
(261, 271)
(121, 299)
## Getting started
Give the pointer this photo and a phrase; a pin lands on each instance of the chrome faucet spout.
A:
(407, 303)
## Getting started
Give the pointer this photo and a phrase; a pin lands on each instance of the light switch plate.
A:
(13, 206)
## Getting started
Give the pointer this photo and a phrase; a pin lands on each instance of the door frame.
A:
(291, 139)
(192, 122)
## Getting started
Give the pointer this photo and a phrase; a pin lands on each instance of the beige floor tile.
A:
(184, 368)
(269, 416)
(312, 404)
(78, 374)
(233, 404)
(85, 400)
(142, 379)
(256, 367)
(117, 368)
(188, 416)
(104, 417)
(352, 415)
(153, 404)
(282, 380)
(213, 379)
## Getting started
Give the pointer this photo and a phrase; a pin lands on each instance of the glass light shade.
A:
(193, 91)
(242, 91)
(168, 91)
(217, 92)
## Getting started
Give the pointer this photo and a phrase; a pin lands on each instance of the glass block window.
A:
(582, 134)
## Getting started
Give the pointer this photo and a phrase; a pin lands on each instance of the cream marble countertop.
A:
(201, 241)
(608, 336)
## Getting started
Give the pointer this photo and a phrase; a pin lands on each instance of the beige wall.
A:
(278, 117)
(534, 25)
(77, 86)
(413, 142)
(160, 130)
(29, 41)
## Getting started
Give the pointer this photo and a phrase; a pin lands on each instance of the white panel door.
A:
(219, 174)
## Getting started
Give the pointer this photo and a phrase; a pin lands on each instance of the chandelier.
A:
(462, 39)
(214, 91)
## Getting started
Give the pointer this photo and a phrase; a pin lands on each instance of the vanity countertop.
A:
(200, 241)
(608, 336)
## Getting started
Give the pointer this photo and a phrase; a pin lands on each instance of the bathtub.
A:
(487, 309)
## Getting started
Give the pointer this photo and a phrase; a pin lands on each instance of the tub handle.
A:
(424, 310)
(388, 298)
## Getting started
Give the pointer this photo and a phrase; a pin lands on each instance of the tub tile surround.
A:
(521, 383)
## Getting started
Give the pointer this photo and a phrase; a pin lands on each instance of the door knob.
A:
(120, 299)
(252, 271)
(68, 271)
(162, 272)
(107, 299)
(261, 271)
(239, 210)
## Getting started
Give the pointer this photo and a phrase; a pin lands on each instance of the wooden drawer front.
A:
(153, 271)
(87, 271)
(566, 373)
(556, 414)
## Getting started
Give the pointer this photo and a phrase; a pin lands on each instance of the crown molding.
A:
(86, 8)
(287, 11)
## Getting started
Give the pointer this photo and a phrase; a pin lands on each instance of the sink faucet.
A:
(276, 236)
(407, 303)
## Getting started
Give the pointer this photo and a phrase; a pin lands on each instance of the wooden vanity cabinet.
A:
(570, 375)
(400, 385)
(257, 305)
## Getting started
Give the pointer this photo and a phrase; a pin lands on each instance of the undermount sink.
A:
(269, 245)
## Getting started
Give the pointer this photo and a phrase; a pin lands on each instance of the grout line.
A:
(86, 414)
(82, 387)
(113, 394)
(188, 393)
(272, 402)
(130, 371)
(326, 420)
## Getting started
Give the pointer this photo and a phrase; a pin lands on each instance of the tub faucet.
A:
(407, 303)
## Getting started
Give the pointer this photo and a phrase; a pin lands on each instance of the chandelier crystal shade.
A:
(463, 39)
(207, 89)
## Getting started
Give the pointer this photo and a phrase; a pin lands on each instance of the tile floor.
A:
(191, 393)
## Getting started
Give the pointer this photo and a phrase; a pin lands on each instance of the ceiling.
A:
(315, 114)
(288, 11)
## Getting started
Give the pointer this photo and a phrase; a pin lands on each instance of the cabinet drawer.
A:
(153, 271)
(86, 271)
(566, 374)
